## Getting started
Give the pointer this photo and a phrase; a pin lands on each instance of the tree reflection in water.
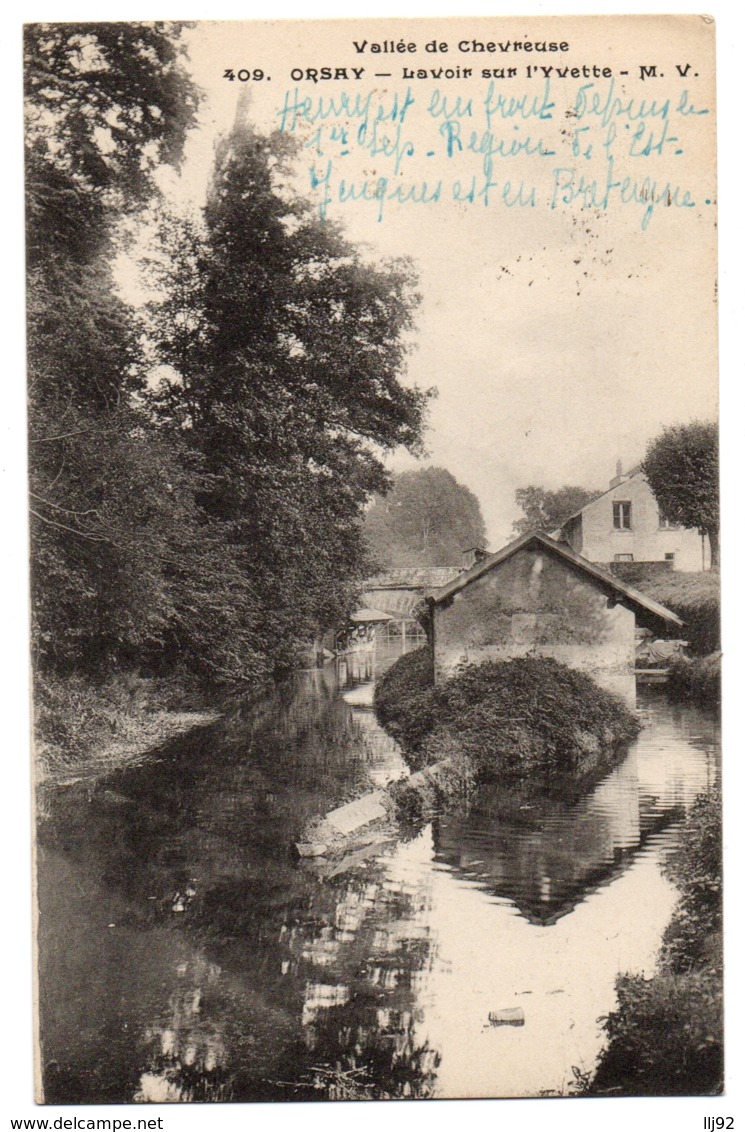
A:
(345, 969)
(277, 983)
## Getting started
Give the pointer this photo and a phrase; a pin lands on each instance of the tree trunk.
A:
(713, 533)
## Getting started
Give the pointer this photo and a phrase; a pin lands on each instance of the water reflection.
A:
(188, 1056)
(184, 956)
(545, 854)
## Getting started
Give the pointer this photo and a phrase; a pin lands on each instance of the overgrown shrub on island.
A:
(665, 1038)
(529, 719)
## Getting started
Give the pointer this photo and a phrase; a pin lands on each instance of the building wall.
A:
(596, 539)
(535, 604)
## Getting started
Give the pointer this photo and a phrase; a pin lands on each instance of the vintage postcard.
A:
(373, 461)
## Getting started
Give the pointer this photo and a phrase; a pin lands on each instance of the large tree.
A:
(545, 510)
(284, 349)
(105, 104)
(682, 468)
(215, 522)
(427, 519)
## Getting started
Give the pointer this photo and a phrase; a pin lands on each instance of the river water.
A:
(184, 955)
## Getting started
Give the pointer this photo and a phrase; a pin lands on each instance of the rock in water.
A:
(511, 1016)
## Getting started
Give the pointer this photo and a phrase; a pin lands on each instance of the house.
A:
(538, 597)
(624, 524)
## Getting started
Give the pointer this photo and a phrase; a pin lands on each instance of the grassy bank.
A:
(665, 1038)
(83, 730)
(529, 720)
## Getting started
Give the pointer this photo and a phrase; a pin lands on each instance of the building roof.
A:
(412, 577)
(369, 616)
(629, 594)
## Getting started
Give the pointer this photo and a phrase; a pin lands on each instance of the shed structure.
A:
(538, 597)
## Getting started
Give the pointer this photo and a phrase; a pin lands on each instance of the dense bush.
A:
(694, 933)
(80, 725)
(405, 701)
(642, 575)
(507, 719)
(697, 681)
(696, 600)
(665, 1038)
(532, 714)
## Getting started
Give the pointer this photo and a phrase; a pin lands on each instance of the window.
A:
(670, 557)
(623, 558)
(667, 525)
(622, 516)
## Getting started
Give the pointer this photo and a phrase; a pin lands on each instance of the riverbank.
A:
(84, 731)
(697, 680)
(665, 1037)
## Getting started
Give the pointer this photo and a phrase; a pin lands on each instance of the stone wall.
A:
(536, 604)
(638, 573)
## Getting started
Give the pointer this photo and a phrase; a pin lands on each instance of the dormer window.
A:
(622, 516)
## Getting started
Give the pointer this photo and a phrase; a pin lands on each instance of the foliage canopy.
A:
(545, 510)
(427, 519)
(213, 523)
(284, 348)
(682, 468)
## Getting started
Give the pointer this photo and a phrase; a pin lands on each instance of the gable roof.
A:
(629, 594)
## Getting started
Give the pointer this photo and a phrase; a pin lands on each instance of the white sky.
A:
(559, 341)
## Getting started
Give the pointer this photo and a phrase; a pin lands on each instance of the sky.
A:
(559, 340)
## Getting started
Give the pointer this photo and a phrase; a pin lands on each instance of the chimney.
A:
(473, 555)
(619, 477)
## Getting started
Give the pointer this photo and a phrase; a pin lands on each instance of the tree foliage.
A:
(682, 468)
(213, 523)
(545, 510)
(427, 519)
(104, 104)
(284, 349)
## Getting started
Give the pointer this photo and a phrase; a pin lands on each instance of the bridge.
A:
(389, 604)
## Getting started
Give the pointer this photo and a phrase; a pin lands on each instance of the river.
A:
(184, 955)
